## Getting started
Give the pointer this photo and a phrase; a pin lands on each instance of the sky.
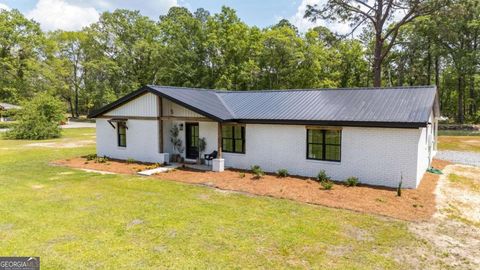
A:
(75, 14)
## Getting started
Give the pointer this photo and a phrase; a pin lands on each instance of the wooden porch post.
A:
(160, 123)
(219, 145)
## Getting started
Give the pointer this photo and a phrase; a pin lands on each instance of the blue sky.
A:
(74, 14)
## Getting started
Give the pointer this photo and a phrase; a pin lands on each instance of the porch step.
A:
(158, 170)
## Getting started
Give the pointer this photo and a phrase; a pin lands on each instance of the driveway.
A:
(460, 157)
(73, 124)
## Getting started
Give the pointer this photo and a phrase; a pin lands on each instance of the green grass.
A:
(459, 143)
(458, 133)
(464, 182)
(78, 220)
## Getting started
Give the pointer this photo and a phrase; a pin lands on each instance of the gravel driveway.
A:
(467, 158)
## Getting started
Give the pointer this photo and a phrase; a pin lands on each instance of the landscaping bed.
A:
(414, 204)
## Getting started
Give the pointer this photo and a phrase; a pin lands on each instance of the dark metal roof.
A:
(390, 107)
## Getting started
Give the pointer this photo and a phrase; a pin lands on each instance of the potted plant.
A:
(202, 145)
(177, 143)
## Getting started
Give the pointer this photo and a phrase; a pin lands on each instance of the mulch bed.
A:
(414, 204)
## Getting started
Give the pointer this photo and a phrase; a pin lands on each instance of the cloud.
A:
(151, 8)
(58, 14)
(304, 24)
(4, 7)
(72, 15)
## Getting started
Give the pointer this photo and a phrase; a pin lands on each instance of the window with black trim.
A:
(324, 144)
(233, 139)
(122, 134)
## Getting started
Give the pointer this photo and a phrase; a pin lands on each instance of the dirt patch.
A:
(417, 205)
(62, 144)
(454, 230)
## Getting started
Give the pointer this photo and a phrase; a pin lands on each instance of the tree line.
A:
(125, 50)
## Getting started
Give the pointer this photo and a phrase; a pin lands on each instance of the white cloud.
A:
(151, 8)
(58, 14)
(4, 7)
(75, 14)
(304, 24)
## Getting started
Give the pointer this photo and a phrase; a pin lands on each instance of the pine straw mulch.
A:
(414, 204)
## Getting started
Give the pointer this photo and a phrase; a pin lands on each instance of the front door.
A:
(192, 140)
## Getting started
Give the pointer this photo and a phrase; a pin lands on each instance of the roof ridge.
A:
(328, 89)
(291, 90)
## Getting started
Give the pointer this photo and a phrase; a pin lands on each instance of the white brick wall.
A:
(377, 156)
(142, 141)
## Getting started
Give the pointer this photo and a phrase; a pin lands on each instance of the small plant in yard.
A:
(282, 173)
(101, 159)
(399, 188)
(257, 171)
(326, 184)
(241, 175)
(352, 181)
(322, 176)
(131, 160)
(90, 157)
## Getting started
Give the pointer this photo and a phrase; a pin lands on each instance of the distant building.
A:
(6, 107)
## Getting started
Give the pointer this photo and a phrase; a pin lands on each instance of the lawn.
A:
(459, 143)
(78, 220)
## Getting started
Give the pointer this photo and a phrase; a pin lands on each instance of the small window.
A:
(122, 134)
(324, 144)
(233, 139)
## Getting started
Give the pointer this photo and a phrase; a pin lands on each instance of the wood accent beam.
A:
(130, 117)
(187, 119)
(219, 143)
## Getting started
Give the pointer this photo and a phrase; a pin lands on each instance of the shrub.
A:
(322, 176)
(241, 175)
(257, 171)
(91, 157)
(352, 181)
(101, 159)
(38, 119)
(282, 173)
(131, 160)
(327, 184)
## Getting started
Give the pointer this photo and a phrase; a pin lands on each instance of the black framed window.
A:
(324, 144)
(233, 139)
(122, 134)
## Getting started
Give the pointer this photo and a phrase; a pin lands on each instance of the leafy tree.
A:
(380, 15)
(38, 119)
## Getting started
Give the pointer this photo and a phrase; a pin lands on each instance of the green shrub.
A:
(101, 160)
(241, 175)
(91, 157)
(7, 124)
(322, 176)
(257, 171)
(38, 119)
(131, 160)
(282, 173)
(352, 181)
(326, 184)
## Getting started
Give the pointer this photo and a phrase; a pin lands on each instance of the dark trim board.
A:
(334, 123)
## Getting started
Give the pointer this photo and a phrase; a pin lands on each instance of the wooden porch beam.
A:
(219, 144)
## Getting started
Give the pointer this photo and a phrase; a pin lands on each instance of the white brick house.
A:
(376, 134)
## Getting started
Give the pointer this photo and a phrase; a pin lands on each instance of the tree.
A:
(38, 119)
(381, 15)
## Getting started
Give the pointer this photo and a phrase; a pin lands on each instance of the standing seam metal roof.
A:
(410, 106)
